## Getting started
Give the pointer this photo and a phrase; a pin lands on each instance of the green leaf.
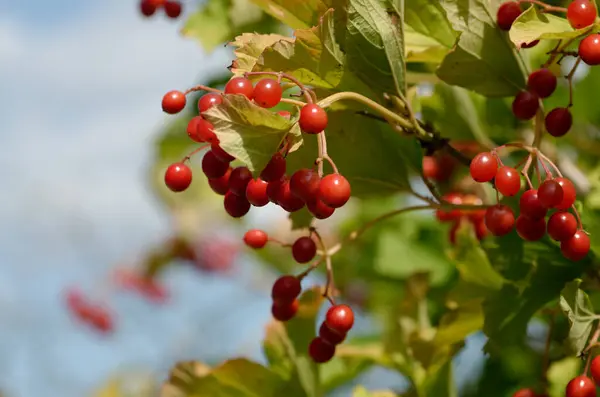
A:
(429, 19)
(250, 133)
(458, 323)
(439, 381)
(298, 14)
(360, 391)
(421, 48)
(579, 310)
(483, 60)
(533, 25)
(234, 378)
(249, 47)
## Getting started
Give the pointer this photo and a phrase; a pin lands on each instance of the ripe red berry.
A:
(274, 169)
(274, 188)
(530, 205)
(173, 9)
(286, 289)
(558, 122)
(267, 93)
(239, 179)
(452, 233)
(285, 312)
(147, 8)
(542, 82)
(447, 216)
(157, 3)
(531, 229)
(255, 238)
(525, 105)
(192, 129)
(595, 369)
(550, 193)
(208, 101)
(589, 49)
(508, 181)
(304, 249)
(206, 132)
(581, 13)
(507, 13)
(287, 200)
(241, 86)
(304, 184)
(483, 167)
(319, 209)
(562, 226)
(220, 185)
(173, 102)
(581, 386)
(313, 119)
(525, 393)
(256, 192)
(212, 166)
(340, 318)
(577, 247)
(481, 230)
(569, 193)
(236, 206)
(178, 177)
(334, 190)
(220, 153)
(499, 219)
(430, 167)
(320, 351)
(332, 337)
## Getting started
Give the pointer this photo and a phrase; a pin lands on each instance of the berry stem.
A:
(545, 7)
(569, 78)
(293, 102)
(538, 127)
(432, 188)
(281, 243)
(305, 91)
(329, 286)
(545, 158)
(580, 225)
(202, 88)
(525, 171)
(561, 47)
(189, 156)
(323, 155)
(309, 269)
(592, 343)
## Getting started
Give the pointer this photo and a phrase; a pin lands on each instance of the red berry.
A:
(239, 179)
(481, 230)
(595, 369)
(255, 238)
(286, 289)
(550, 193)
(320, 351)
(267, 93)
(157, 3)
(499, 219)
(147, 8)
(178, 177)
(530, 205)
(542, 82)
(483, 167)
(274, 188)
(430, 167)
(287, 200)
(192, 129)
(212, 166)
(589, 49)
(256, 192)
(525, 393)
(313, 119)
(173, 102)
(220, 185)
(530, 45)
(319, 209)
(569, 193)
(452, 233)
(284, 113)
(304, 184)
(581, 13)
(241, 86)
(334, 190)
(274, 169)
(304, 249)
(331, 337)
(581, 386)
(577, 247)
(172, 9)
(508, 181)
(285, 312)
(562, 226)
(525, 105)
(558, 122)
(208, 101)
(507, 13)
(473, 215)
(447, 216)
(531, 229)
(340, 318)
(220, 153)
(235, 205)
(206, 132)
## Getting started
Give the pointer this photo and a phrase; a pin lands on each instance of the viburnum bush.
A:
(438, 162)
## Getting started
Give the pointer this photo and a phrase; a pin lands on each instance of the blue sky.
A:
(80, 89)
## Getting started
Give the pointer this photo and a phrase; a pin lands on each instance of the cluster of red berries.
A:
(305, 187)
(457, 216)
(94, 315)
(172, 8)
(542, 82)
(438, 167)
(552, 194)
(145, 286)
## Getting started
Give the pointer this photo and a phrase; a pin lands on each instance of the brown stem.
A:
(202, 88)
(525, 171)
(569, 78)
(188, 157)
(545, 7)
(323, 155)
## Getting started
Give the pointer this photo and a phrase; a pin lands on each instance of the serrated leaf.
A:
(533, 25)
(483, 60)
(249, 47)
(576, 305)
(250, 133)
(298, 14)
